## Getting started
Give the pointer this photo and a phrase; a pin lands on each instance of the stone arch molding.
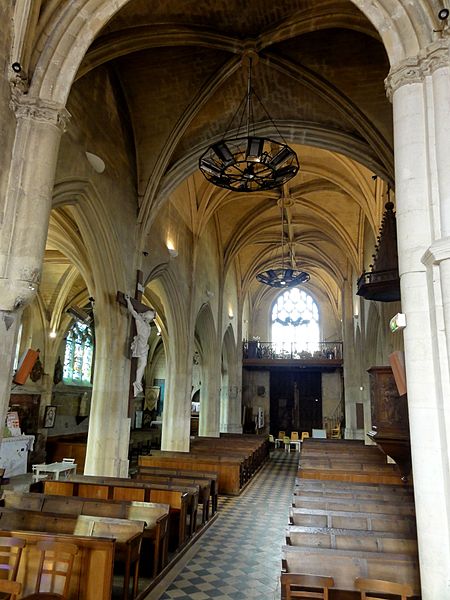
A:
(404, 27)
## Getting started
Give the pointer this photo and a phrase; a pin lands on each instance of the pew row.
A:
(353, 492)
(183, 501)
(127, 535)
(155, 516)
(356, 505)
(351, 539)
(210, 476)
(235, 459)
(204, 489)
(352, 520)
(92, 574)
(346, 565)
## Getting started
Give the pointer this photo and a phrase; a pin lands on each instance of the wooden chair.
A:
(336, 432)
(298, 585)
(379, 586)
(13, 588)
(10, 553)
(55, 567)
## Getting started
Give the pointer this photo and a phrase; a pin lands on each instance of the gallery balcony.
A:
(320, 356)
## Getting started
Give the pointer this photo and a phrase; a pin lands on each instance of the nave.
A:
(240, 555)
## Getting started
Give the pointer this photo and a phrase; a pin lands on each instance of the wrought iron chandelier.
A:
(248, 163)
(285, 276)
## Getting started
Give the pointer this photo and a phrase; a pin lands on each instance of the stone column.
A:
(351, 365)
(410, 87)
(209, 425)
(109, 425)
(24, 216)
(177, 405)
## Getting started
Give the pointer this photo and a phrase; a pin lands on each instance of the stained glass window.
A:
(78, 355)
(295, 322)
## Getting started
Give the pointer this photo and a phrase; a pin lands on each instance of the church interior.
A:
(161, 300)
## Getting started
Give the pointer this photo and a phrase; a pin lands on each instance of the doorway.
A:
(295, 401)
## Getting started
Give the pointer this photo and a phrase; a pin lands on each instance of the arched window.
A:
(78, 355)
(295, 323)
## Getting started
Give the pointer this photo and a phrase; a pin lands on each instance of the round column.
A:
(25, 218)
(414, 145)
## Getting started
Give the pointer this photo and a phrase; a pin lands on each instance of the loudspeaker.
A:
(25, 366)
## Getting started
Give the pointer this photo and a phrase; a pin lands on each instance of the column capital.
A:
(437, 252)
(37, 109)
(414, 69)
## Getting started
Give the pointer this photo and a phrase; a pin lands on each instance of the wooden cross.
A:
(138, 307)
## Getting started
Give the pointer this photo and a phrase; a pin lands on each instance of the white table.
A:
(56, 469)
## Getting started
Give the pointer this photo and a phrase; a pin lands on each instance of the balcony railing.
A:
(292, 351)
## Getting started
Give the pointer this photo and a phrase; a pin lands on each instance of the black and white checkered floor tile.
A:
(239, 557)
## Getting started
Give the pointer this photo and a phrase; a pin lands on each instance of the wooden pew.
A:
(351, 539)
(152, 514)
(351, 492)
(127, 534)
(352, 520)
(210, 476)
(346, 565)
(230, 470)
(204, 487)
(355, 505)
(92, 574)
(183, 501)
(341, 486)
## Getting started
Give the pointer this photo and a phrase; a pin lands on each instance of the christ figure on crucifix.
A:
(139, 345)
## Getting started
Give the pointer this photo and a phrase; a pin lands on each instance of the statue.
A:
(139, 345)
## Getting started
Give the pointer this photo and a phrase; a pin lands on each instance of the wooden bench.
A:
(154, 515)
(183, 501)
(204, 489)
(228, 469)
(212, 477)
(92, 574)
(355, 505)
(346, 565)
(352, 520)
(351, 539)
(352, 493)
(127, 534)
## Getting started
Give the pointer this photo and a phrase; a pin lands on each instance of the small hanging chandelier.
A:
(249, 163)
(286, 276)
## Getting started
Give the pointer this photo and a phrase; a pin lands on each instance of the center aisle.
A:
(240, 554)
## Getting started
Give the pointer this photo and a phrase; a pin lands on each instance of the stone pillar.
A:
(9, 327)
(410, 87)
(209, 425)
(25, 217)
(177, 405)
(109, 425)
(351, 365)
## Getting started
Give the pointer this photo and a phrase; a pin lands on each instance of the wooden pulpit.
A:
(390, 423)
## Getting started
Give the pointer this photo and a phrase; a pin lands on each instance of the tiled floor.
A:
(238, 558)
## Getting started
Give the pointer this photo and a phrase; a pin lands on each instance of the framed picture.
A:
(49, 416)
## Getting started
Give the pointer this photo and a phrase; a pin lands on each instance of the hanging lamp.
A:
(285, 276)
(247, 162)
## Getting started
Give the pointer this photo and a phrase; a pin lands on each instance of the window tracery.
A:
(78, 355)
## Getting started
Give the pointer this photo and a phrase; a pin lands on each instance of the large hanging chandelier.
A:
(287, 275)
(247, 162)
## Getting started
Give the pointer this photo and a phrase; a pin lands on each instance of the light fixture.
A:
(247, 162)
(285, 276)
(52, 334)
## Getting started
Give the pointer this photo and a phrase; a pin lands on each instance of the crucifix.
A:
(143, 316)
